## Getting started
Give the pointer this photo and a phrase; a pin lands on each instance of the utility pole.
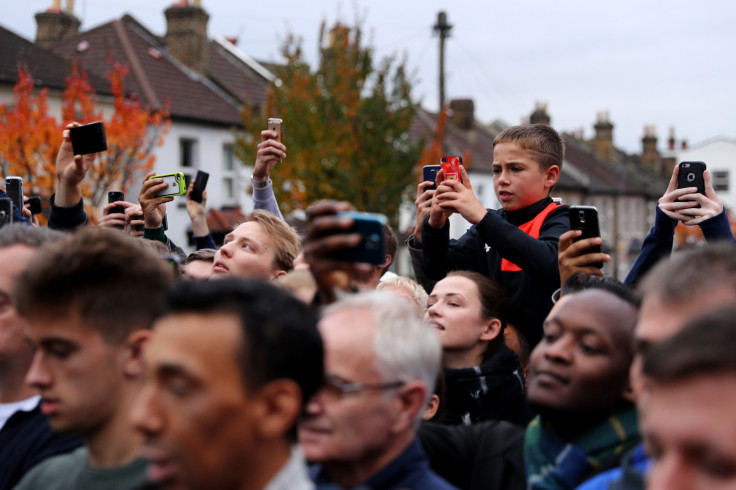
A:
(444, 30)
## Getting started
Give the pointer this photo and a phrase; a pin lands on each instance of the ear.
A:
(133, 358)
(410, 400)
(432, 407)
(278, 274)
(278, 407)
(386, 263)
(491, 330)
(550, 176)
(629, 393)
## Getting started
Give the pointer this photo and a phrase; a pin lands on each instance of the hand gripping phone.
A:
(89, 138)
(35, 204)
(176, 185)
(371, 249)
(14, 190)
(200, 182)
(585, 218)
(275, 124)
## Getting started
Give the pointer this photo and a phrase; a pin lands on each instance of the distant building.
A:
(204, 81)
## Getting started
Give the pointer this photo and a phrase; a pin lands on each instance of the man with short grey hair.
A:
(381, 363)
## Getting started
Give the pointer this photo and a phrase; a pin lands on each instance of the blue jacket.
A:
(410, 471)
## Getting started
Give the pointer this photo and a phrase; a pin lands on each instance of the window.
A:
(187, 152)
(229, 174)
(720, 180)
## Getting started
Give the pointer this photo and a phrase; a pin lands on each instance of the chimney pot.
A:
(462, 113)
(186, 34)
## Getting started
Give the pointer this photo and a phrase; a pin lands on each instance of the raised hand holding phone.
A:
(458, 196)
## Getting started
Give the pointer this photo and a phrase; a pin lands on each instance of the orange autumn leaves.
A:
(31, 135)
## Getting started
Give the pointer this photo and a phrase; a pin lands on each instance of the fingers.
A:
(464, 177)
(673, 180)
(327, 206)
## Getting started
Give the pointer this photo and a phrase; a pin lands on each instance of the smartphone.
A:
(691, 175)
(451, 167)
(89, 138)
(113, 196)
(200, 182)
(6, 211)
(14, 190)
(585, 218)
(176, 184)
(430, 175)
(275, 124)
(35, 205)
(371, 249)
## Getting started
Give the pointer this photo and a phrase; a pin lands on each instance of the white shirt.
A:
(7, 410)
(293, 475)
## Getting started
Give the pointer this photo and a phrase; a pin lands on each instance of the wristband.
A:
(259, 184)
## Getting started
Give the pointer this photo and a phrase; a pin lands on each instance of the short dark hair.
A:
(704, 346)
(693, 272)
(541, 140)
(23, 234)
(106, 277)
(580, 281)
(390, 241)
(280, 336)
(493, 304)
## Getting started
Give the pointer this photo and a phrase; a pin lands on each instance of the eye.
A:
(496, 170)
(60, 351)
(247, 246)
(178, 387)
(589, 349)
(517, 169)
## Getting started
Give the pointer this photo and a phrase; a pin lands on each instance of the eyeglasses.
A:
(337, 388)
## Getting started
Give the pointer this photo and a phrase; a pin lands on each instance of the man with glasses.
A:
(381, 362)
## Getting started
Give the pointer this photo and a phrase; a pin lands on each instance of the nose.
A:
(669, 473)
(38, 375)
(559, 350)
(315, 405)
(144, 415)
(433, 311)
(225, 250)
(502, 177)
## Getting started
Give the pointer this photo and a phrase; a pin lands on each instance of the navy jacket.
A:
(410, 471)
(25, 440)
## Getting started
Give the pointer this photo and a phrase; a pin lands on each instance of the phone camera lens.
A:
(372, 242)
(581, 216)
(690, 177)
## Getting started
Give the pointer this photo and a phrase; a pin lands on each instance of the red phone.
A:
(451, 167)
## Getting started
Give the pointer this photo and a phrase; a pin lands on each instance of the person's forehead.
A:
(599, 311)
(348, 336)
(202, 345)
(251, 230)
(458, 285)
(13, 260)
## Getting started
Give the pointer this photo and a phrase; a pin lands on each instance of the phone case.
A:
(430, 175)
(451, 167)
(6, 211)
(200, 183)
(14, 190)
(691, 175)
(35, 204)
(89, 138)
(585, 218)
(176, 184)
(275, 124)
(371, 249)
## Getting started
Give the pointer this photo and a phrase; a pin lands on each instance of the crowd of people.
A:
(272, 363)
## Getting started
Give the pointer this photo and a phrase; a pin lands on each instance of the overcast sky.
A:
(647, 62)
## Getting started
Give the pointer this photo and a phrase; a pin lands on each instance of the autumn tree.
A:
(346, 125)
(31, 137)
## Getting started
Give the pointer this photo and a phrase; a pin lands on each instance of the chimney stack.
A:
(186, 34)
(603, 142)
(55, 24)
(671, 141)
(540, 116)
(462, 113)
(649, 153)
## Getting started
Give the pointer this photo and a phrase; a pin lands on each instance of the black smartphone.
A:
(429, 174)
(6, 211)
(35, 205)
(89, 138)
(691, 175)
(371, 249)
(200, 183)
(113, 196)
(14, 190)
(585, 218)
